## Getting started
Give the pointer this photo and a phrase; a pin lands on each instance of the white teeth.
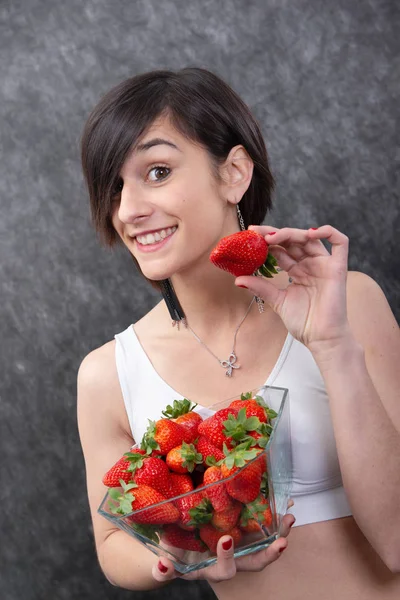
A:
(152, 238)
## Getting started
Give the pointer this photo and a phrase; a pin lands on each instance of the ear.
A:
(236, 174)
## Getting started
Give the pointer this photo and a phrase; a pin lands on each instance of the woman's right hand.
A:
(227, 566)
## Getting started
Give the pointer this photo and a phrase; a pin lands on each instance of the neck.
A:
(210, 299)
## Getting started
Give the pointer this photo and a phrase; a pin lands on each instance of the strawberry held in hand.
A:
(244, 253)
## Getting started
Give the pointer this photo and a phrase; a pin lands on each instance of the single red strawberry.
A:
(208, 451)
(182, 413)
(260, 510)
(180, 538)
(163, 435)
(117, 472)
(183, 458)
(134, 498)
(253, 409)
(179, 484)
(194, 509)
(154, 473)
(245, 486)
(217, 494)
(225, 520)
(210, 536)
(250, 526)
(213, 428)
(243, 253)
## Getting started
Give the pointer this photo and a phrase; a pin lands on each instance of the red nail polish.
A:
(281, 549)
(272, 233)
(243, 286)
(314, 228)
(162, 567)
(227, 545)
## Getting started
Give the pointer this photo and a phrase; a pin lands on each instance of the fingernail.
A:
(281, 549)
(314, 228)
(243, 286)
(272, 233)
(227, 545)
(162, 567)
(292, 523)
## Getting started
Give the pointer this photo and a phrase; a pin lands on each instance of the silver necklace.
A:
(229, 364)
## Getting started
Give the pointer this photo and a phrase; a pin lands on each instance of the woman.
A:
(174, 162)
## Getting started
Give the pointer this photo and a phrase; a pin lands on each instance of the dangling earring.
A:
(173, 304)
(260, 301)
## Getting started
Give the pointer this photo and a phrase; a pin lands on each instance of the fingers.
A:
(259, 560)
(287, 523)
(290, 238)
(339, 241)
(225, 566)
(163, 570)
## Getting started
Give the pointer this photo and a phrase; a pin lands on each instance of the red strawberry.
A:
(135, 498)
(182, 413)
(260, 510)
(253, 409)
(183, 458)
(245, 486)
(163, 435)
(154, 473)
(186, 540)
(217, 494)
(243, 253)
(194, 510)
(213, 428)
(250, 526)
(208, 450)
(224, 520)
(210, 536)
(179, 484)
(117, 472)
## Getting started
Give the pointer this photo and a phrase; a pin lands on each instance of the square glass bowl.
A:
(275, 462)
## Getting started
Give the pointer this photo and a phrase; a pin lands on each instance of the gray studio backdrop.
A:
(322, 77)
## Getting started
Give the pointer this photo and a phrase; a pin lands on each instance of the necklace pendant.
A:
(229, 364)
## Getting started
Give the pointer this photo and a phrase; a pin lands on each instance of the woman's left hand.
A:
(313, 306)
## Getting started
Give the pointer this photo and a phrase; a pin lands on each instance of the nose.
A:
(132, 205)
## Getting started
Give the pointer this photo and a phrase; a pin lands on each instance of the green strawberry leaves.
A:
(180, 407)
(151, 532)
(237, 427)
(268, 268)
(122, 499)
(238, 457)
(202, 513)
(190, 457)
(148, 442)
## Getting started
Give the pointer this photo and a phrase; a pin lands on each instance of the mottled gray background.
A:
(322, 77)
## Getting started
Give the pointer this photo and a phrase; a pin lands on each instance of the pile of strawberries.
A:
(183, 453)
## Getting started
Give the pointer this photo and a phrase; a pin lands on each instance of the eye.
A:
(158, 173)
(117, 188)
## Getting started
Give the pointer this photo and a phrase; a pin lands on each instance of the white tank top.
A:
(318, 491)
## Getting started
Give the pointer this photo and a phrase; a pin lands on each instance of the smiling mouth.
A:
(156, 237)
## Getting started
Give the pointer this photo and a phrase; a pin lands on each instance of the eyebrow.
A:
(155, 142)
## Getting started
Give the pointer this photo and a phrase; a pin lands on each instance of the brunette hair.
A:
(200, 105)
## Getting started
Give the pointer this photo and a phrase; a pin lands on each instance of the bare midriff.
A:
(330, 560)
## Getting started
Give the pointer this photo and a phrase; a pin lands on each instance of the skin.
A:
(324, 308)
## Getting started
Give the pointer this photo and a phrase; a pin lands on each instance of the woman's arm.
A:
(362, 378)
(345, 321)
(123, 560)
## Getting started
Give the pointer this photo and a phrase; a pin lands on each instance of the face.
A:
(171, 211)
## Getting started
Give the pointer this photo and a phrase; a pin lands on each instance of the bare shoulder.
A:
(371, 319)
(99, 367)
(99, 391)
(366, 300)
